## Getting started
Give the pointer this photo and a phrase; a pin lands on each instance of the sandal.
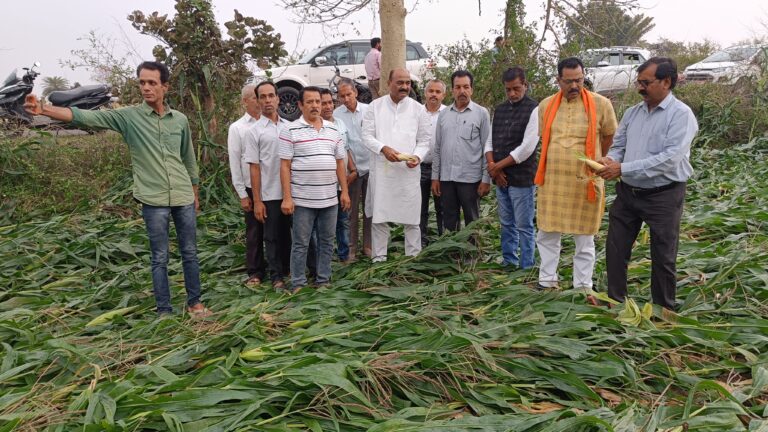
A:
(199, 311)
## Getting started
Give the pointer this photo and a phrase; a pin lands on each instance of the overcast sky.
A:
(47, 30)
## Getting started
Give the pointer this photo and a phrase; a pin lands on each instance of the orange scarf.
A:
(549, 117)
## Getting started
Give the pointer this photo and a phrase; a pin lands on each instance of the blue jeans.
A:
(157, 220)
(324, 221)
(516, 210)
(342, 234)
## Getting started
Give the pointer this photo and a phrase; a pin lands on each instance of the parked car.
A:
(730, 65)
(317, 69)
(614, 68)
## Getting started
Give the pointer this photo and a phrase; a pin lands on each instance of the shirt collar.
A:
(469, 107)
(146, 109)
(305, 123)
(664, 104)
(265, 121)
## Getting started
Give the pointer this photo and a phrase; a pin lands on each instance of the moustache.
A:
(574, 91)
(643, 93)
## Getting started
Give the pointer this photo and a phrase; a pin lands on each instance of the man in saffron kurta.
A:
(571, 198)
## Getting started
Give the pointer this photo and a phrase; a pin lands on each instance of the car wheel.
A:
(289, 103)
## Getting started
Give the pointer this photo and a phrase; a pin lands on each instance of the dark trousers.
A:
(255, 264)
(277, 237)
(456, 196)
(426, 193)
(661, 210)
(358, 190)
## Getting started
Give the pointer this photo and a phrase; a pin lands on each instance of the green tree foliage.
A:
(54, 83)
(207, 68)
(601, 23)
(520, 49)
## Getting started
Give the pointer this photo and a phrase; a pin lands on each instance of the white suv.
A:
(729, 65)
(613, 69)
(317, 68)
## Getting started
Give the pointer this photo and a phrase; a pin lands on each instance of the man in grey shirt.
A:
(651, 151)
(459, 174)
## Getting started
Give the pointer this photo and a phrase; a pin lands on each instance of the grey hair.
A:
(437, 81)
(248, 90)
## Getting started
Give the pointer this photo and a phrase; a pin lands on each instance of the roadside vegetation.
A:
(446, 341)
(431, 343)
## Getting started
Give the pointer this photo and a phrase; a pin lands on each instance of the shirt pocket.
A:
(469, 131)
(656, 137)
(174, 140)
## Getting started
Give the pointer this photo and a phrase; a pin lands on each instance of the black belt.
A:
(636, 191)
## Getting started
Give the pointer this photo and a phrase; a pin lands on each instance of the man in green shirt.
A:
(165, 176)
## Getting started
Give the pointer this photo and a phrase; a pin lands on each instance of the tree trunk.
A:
(392, 14)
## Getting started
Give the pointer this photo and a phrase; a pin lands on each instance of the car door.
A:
(359, 51)
(605, 72)
(630, 61)
(319, 75)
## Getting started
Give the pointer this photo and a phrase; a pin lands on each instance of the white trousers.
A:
(380, 240)
(548, 244)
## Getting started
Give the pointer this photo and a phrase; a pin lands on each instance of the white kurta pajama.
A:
(394, 193)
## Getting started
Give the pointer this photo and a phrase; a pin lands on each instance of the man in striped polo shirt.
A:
(312, 167)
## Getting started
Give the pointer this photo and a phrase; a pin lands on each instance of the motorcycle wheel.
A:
(364, 95)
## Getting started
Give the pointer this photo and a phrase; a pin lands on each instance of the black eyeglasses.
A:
(569, 82)
(645, 83)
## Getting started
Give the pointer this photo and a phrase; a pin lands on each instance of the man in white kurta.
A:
(393, 125)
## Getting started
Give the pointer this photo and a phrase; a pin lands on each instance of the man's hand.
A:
(436, 187)
(612, 169)
(287, 206)
(501, 179)
(413, 163)
(493, 169)
(32, 106)
(245, 204)
(351, 178)
(259, 211)
(346, 203)
(483, 189)
(390, 154)
(196, 190)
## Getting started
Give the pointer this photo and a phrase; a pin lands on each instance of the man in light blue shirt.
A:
(650, 152)
(351, 113)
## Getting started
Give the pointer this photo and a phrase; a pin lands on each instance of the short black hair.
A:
(325, 91)
(263, 83)
(463, 73)
(165, 75)
(512, 74)
(498, 39)
(665, 68)
(375, 41)
(309, 89)
(569, 63)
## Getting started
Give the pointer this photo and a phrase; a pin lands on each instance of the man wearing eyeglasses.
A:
(651, 153)
(571, 198)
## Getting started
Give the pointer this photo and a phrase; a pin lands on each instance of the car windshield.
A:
(11, 78)
(736, 54)
(308, 58)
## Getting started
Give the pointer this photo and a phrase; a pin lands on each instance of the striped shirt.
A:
(313, 156)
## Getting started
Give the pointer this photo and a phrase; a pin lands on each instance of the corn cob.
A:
(103, 318)
(407, 157)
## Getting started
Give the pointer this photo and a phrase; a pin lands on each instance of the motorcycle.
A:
(13, 90)
(363, 92)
